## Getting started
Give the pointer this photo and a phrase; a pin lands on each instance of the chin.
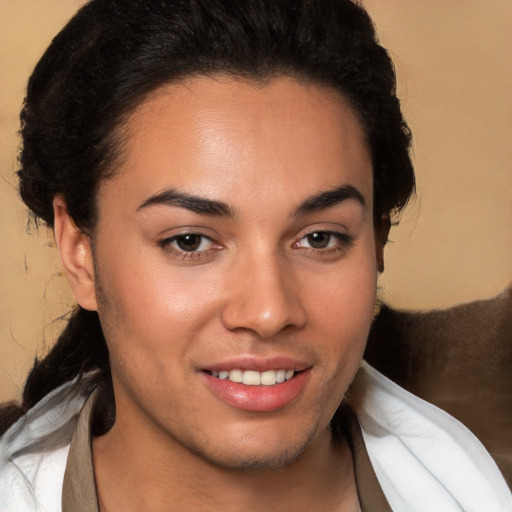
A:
(255, 461)
(256, 456)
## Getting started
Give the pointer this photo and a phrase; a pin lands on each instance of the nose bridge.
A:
(261, 296)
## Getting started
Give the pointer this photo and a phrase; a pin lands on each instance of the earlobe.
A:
(76, 255)
(382, 228)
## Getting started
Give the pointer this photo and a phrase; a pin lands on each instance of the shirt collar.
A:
(78, 488)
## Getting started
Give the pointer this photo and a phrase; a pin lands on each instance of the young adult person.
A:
(220, 177)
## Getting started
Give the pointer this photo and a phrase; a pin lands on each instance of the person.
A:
(221, 176)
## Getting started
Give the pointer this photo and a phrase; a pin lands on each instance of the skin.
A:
(259, 285)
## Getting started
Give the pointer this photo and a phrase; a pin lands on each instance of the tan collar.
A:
(79, 490)
(371, 496)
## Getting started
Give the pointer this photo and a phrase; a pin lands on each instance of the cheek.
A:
(150, 323)
(343, 311)
(145, 286)
(346, 301)
(343, 316)
(148, 311)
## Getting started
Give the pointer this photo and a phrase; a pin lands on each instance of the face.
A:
(235, 267)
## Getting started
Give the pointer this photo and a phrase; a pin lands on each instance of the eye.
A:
(189, 245)
(191, 242)
(320, 240)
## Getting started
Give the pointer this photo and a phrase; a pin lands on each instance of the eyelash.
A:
(167, 244)
(342, 241)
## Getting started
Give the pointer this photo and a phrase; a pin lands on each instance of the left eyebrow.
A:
(330, 198)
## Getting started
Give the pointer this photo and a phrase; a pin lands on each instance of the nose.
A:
(262, 296)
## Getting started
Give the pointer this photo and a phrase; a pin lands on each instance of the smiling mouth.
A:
(254, 378)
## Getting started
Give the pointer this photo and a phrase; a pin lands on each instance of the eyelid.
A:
(167, 244)
(338, 244)
(335, 228)
(342, 237)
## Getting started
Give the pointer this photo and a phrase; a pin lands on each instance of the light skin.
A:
(238, 232)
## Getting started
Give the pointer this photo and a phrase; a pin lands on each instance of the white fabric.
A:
(34, 451)
(425, 460)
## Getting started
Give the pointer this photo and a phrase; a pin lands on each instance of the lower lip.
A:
(257, 398)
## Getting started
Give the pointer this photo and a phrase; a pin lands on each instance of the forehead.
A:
(218, 136)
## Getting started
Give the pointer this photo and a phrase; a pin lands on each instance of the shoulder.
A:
(421, 454)
(33, 453)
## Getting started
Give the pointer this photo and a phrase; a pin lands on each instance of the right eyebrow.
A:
(196, 204)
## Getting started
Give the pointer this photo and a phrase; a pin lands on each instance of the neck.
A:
(159, 475)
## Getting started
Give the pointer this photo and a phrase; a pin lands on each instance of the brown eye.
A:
(324, 241)
(189, 242)
(190, 247)
(319, 240)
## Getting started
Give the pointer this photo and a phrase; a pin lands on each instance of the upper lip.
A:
(258, 364)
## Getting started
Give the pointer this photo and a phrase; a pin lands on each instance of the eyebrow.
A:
(201, 205)
(204, 206)
(330, 198)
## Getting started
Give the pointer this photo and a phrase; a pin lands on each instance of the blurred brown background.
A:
(454, 243)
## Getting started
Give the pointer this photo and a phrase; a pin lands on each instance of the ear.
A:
(382, 227)
(76, 255)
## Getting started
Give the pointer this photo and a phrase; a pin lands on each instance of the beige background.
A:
(454, 244)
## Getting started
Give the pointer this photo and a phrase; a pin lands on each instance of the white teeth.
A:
(280, 376)
(236, 376)
(268, 378)
(253, 378)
